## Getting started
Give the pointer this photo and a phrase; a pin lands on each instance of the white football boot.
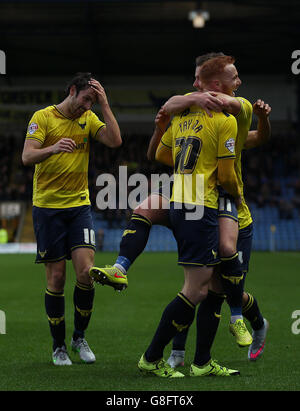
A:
(85, 353)
(176, 358)
(61, 357)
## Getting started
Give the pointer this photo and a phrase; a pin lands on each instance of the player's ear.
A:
(72, 90)
(216, 83)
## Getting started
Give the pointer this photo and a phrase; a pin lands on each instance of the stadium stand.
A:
(271, 172)
(272, 189)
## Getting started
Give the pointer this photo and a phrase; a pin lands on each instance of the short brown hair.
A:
(214, 67)
(80, 81)
(204, 57)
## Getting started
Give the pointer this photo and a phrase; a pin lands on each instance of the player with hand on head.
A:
(57, 143)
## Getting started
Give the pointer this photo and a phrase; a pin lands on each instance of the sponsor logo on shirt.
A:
(32, 128)
(229, 144)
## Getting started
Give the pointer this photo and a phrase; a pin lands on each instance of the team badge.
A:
(82, 125)
(229, 144)
(214, 253)
(32, 128)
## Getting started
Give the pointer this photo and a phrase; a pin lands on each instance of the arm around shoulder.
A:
(230, 104)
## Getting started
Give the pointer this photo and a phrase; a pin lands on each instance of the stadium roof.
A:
(145, 37)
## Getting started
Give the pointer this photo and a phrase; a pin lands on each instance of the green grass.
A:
(123, 324)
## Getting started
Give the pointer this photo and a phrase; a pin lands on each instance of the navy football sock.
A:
(232, 282)
(83, 298)
(208, 318)
(134, 240)
(179, 340)
(252, 313)
(177, 316)
(55, 309)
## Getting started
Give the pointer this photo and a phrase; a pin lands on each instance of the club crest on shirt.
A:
(32, 128)
(82, 125)
(229, 144)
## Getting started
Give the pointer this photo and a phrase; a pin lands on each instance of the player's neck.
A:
(63, 107)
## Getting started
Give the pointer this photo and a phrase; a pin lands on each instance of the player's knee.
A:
(56, 280)
(145, 212)
(203, 294)
(227, 248)
(154, 208)
(200, 296)
(195, 295)
(83, 276)
(140, 210)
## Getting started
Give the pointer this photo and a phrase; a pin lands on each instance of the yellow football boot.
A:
(239, 330)
(109, 275)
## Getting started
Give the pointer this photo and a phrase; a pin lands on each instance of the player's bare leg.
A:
(83, 260)
(196, 281)
(56, 276)
(156, 208)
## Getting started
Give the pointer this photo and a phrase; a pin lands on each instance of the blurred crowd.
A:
(271, 172)
(15, 180)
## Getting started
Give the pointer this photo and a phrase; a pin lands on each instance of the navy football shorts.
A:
(59, 231)
(244, 246)
(227, 207)
(197, 240)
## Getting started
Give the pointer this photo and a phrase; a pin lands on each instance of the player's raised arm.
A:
(163, 153)
(162, 120)
(263, 133)
(110, 134)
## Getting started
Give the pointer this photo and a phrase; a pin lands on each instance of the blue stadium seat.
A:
(286, 236)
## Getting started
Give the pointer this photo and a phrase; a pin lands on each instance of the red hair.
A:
(214, 67)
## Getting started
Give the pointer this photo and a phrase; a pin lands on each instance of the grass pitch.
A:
(123, 324)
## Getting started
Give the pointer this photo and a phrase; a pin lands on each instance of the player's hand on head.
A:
(99, 91)
(66, 145)
(261, 109)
